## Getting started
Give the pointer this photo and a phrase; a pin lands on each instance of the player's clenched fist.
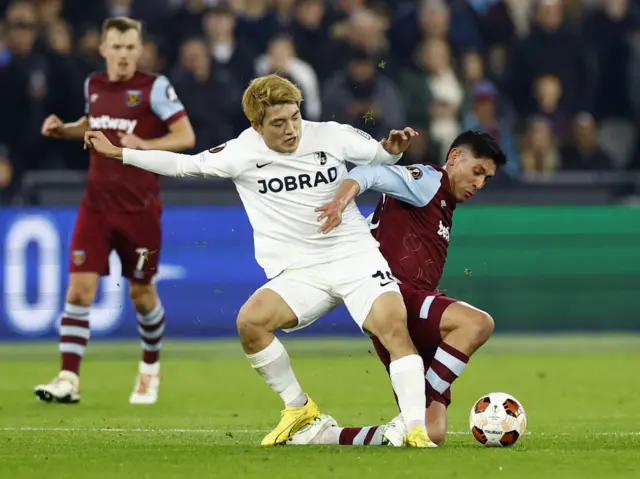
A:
(51, 126)
(100, 143)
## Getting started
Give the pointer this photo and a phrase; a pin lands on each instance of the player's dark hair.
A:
(482, 145)
(122, 24)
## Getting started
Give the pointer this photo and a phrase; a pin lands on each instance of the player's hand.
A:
(132, 141)
(331, 213)
(52, 127)
(100, 143)
(398, 140)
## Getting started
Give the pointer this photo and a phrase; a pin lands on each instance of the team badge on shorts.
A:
(78, 257)
(321, 157)
(133, 98)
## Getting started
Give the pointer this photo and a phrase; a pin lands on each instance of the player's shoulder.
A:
(96, 78)
(250, 138)
(330, 136)
(146, 78)
(332, 128)
(423, 170)
(434, 168)
(244, 147)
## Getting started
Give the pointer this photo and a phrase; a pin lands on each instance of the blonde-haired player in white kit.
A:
(284, 168)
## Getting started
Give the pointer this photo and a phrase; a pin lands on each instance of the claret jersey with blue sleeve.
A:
(413, 219)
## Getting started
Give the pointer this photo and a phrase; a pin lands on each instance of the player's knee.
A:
(264, 312)
(143, 297)
(254, 318)
(481, 327)
(389, 325)
(394, 331)
(438, 436)
(81, 291)
(437, 431)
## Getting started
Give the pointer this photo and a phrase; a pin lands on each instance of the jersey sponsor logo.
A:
(133, 97)
(171, 94)
(367, 136)
(299, 182)
(218, 148)
(106, 122)
(321, 157)
(78, 257)
(416, 173)
(443, 231)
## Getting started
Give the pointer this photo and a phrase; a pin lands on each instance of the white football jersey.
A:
(280, 192)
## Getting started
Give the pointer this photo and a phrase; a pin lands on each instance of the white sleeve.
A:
(358, 147)
(223, 161)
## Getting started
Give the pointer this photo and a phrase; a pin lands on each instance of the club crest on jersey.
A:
(78, 257)
(321, 157)
(218, 148)
(133, 97)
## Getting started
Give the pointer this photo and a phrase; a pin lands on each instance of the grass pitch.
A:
(580, 393)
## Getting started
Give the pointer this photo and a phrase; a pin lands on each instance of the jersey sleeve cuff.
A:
(362, 180)
(175, 117)
(383, 157)
(128, 156)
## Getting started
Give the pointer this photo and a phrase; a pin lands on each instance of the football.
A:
(497, 420)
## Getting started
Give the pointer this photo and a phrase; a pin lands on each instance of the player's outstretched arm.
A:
(180, 137)
(53, 127)
(360, 149)
(416, 185)
(164, 163)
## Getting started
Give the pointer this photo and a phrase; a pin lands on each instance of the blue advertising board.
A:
(207, 271)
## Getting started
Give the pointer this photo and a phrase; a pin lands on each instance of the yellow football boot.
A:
(293, 419)
(417, 437)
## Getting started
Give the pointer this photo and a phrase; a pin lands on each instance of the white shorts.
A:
(355, 281)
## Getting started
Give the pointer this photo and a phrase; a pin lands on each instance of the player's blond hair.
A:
(267, 91)
(121, 24)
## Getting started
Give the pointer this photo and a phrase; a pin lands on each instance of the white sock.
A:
(408, 380)
(329, 437)
(273, 365)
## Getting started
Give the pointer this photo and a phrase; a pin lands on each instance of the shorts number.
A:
(143, 254)
(386, 278)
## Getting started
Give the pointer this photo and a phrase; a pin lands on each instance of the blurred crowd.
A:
(556, 82)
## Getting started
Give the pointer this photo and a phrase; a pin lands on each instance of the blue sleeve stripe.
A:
(164, 101)
(86, 95)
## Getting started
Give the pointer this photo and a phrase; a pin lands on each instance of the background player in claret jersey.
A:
(284, 168)
(121, 207)
(412, 223)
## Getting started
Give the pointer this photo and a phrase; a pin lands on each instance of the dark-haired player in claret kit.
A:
(121, 207)
(412, 223)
